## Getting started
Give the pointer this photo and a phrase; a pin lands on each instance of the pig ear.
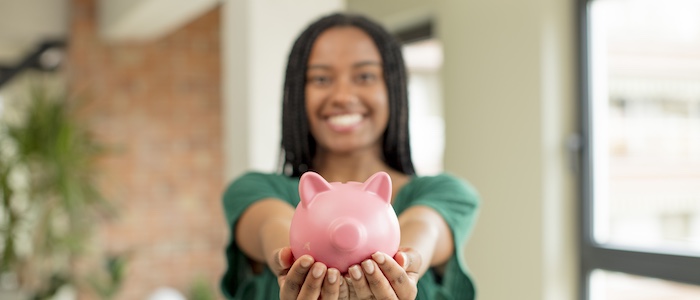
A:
(310, 185)
(380, 184)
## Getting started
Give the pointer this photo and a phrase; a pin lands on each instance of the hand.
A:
(305, 278)
(385, 278)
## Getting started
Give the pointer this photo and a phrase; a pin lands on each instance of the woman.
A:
(345, 116)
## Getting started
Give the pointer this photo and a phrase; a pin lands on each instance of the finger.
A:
(282, 260)
(331, 286)
(410, 260)
(400, 281)
(344, 293)
(350, 287)
(313, 282)
(280, 280)
(292, 284)
(377, 282)
(359, 283)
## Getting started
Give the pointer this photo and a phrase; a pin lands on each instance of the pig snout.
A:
(347, 234)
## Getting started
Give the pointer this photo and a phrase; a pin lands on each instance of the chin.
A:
(347, 148)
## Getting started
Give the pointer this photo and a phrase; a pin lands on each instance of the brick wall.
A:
(157, 105)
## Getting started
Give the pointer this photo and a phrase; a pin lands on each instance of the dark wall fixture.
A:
(418, 32)
(48, 56)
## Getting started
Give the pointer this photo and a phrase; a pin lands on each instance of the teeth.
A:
(345, 120)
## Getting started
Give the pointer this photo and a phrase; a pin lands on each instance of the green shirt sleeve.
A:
(457, 202)
(239, 281)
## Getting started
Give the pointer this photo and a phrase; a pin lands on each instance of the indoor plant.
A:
(49, 201)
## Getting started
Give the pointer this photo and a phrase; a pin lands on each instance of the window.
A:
(422, 53)
(641, 156)
(423, 62)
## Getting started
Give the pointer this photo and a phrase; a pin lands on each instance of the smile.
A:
(345, 122)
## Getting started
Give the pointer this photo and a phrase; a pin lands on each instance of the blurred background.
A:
(122, 121)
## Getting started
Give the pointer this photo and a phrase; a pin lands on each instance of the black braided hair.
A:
(298, 145)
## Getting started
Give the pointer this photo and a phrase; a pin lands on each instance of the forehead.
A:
(343, 44)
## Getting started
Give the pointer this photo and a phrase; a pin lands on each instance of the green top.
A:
(452, 198)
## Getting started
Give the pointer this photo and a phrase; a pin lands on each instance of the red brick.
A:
(157, 107)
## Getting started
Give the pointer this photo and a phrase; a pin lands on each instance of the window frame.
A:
(674, 266)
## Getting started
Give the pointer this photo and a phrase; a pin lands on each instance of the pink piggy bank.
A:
(343, 224)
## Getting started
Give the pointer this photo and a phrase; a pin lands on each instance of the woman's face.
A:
(346, 97)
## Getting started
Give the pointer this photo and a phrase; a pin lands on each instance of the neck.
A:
(355, 166)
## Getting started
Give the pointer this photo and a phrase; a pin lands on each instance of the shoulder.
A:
(258, 176)
(257, 180)
(253, 186)
(444, 192)
(442, 184)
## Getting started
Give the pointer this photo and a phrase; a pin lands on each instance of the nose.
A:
(344, 93)
(347, 234)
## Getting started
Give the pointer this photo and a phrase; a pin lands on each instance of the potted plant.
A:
(49, 201)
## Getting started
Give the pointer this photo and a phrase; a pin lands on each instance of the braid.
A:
(298, 145)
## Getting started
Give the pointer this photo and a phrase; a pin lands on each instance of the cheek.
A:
(382, 107)
(310, 105)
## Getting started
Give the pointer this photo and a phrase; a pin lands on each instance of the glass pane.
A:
(424, 62)
(645, 89)
(620, 286)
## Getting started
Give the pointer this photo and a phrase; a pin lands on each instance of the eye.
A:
(319, 80)
(366, 78)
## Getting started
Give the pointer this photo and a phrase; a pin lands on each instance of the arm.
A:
(424, 231)
(425, 241)
(262, 233)
(445, 198)
(264, 228)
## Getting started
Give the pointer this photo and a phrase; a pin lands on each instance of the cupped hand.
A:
(306, 278)
(385, 277)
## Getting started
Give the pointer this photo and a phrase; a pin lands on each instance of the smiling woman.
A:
(345, 116)
(346, 98)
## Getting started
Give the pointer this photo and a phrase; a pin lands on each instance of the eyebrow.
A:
(367, 63)
(355, 65)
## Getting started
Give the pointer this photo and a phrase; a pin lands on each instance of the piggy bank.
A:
(342, 224)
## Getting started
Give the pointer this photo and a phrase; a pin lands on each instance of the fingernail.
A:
(378, 257)
(280, 260)
(332, 276)
(368, 266)
(405, 260)
(355, 272)
(317, 271)
(306, 262)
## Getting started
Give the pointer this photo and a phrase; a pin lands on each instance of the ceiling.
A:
(25, 24)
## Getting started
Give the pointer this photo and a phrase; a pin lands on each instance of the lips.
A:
(345, 122)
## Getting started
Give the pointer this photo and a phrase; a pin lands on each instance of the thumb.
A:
(408, 259)
(401, 259)
(283, 259)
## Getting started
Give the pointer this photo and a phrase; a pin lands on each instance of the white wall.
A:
(257, 36)
(25, 24)
(394, 14)
(509, 100)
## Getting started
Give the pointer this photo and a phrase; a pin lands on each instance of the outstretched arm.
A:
(425, 241)
(424, 230)
(264, 228)
(262, 233)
